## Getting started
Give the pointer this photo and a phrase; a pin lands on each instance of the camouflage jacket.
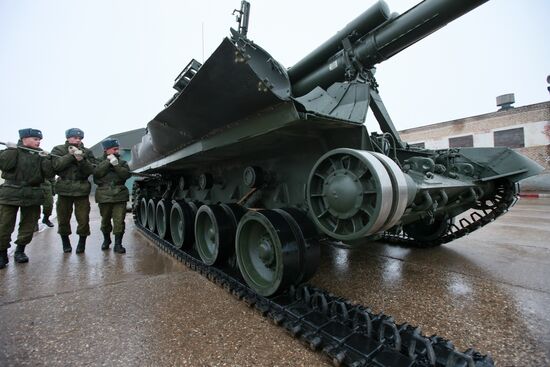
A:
(23, 172)
(110, 181)
(72, 175)
(48, 186)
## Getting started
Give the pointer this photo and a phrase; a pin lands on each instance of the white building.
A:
(525, 128)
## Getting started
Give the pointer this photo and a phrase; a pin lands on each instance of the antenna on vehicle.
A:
(202, 31)
(242, 17)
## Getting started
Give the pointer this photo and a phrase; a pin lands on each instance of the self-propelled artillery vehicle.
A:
(256, 164)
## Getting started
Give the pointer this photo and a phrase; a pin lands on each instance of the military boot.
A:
(3, 258)
(106, 241)
(118, 244)
(66, 243)
(81, 245)
(19, 254)
(46, 221)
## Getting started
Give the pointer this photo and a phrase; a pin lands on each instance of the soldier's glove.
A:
(79, 155)
(112, 159)
(72, 149)
(9, 144)
(43, 153)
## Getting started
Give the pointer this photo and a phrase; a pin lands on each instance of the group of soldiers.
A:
(27, 170)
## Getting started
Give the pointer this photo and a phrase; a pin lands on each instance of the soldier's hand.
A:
(72, 149)
(79, 155)
(110, 156)
(9, 144)
(43, 153)
(113, 161)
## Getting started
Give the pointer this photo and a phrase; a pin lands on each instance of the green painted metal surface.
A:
(274, 160)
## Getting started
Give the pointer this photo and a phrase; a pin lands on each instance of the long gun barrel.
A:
(379, 44)
(357, 28)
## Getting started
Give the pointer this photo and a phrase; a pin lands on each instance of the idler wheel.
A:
(350, 194)
(215, 227)
(182, 218)
(151, 214)
(266, 250)
(400, 190)
(143, 212)
(162, 218)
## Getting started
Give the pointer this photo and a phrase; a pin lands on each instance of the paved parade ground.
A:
(489, 290)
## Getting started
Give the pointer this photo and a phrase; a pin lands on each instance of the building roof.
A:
(127, 140)
(543, 106)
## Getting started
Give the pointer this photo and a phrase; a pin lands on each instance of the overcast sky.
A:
(108, 66)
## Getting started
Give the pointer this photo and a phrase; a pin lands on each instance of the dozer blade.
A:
(225, 89)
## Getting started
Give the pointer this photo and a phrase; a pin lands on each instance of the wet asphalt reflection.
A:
(488, 290)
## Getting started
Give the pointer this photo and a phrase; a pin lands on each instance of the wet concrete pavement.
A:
(489, 290)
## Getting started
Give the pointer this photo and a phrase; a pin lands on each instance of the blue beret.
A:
(74, 132)
(110, 143)
(30, 133)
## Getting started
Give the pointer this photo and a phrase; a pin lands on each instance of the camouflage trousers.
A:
(28, 218)
(47, 207)
(64, 209)
(116, 212)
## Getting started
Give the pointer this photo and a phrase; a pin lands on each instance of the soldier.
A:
(110, 174)
(23, 171)
(73, 188)
(47, 208)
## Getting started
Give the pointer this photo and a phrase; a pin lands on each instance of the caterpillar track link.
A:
(484, 212)
(348, 334)
(251, 166)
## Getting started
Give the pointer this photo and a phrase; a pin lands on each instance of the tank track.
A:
(506, 195)
(348, 334)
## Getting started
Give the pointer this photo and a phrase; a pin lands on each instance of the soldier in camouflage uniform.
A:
(73, 168)
(24, 172)
(47, 208)
(110, 174)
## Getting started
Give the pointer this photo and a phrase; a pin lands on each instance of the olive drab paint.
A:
(24, 172)
(73, 189)
(111, 194)
(255, 177)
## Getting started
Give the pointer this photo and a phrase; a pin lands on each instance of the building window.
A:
(420, 145)
(461, 141)
(511, 138)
